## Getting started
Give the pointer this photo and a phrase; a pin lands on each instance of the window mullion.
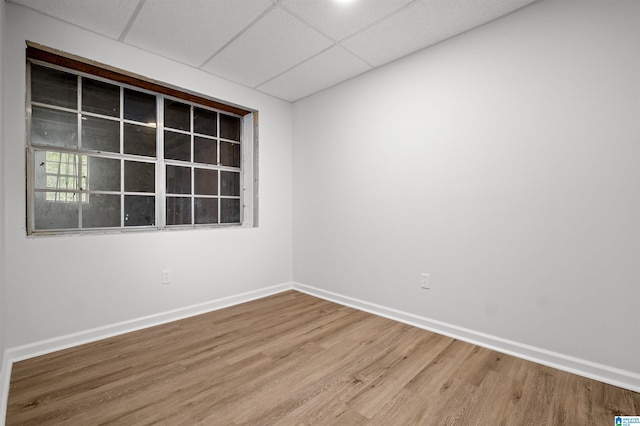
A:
(219, 173)
(122, 196)
(192, 197)
(161, 191)
(78, 174)
(192, 168)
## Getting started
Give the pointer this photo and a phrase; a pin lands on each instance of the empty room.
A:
(284, 212)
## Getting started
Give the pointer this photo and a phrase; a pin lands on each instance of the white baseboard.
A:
(31, 350)
(621, 378)
(63, 342)
(600, 372)
(5, 375)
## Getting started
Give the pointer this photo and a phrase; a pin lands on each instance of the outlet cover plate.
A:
(424, 281)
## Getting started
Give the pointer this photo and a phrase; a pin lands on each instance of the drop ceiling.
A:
(286, 48)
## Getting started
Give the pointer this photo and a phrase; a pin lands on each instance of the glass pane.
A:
(205, 122)
(178, 180)
(205, 181)
(58, 170)
(177, 146)
(100, 134)
(139, 210)
(229, 210)
(139, 140)
(177, 115)
(103, 174)
(139, 106)
(100, 98)
(139, 177)
(49, 127)
(101, 211)
(229, 127)
(54, 87)
(206, 210)
(42, 168)
(229, 183)
(178, 211)
(53, 211)
(229, 154)
(205, 150)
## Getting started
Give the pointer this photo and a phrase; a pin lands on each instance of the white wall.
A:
(60, 285)
(2, 192)
(504, 162)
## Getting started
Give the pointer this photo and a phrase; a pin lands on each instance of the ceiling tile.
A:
(287, 48)
(424, 23)
(340, 20)
(108, 18)
(324, 70)
(272, 45)
(191, 32)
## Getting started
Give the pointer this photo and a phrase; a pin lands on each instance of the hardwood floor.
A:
(293, 359)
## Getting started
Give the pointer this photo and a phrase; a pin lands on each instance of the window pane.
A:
(139, 177)
(49, 127)
(178, 180)
(206, 210)
(42, 168)
(178, 211)
(101, 211)
(205, 150)
(229, 183)
(177, 115)
(229, 154)
(205, 181)
(229, 127)
(205, 122)
(139, 210)
(177, 146)
(54, 87)
(139, 140)
(58, 170)
(103, 174)
(229, 210)
(139, 106)
(100, 98)
(100, 134)
(56, 210)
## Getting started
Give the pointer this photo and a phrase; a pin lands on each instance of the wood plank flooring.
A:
(293, 359)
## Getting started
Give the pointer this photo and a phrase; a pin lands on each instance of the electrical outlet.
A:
(166, 276)
(424, 282)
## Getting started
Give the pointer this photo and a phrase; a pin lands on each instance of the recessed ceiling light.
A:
(344, 1)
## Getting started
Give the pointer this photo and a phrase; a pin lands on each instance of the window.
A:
(110, 154)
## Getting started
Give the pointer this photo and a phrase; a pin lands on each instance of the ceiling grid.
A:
(286, 48)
